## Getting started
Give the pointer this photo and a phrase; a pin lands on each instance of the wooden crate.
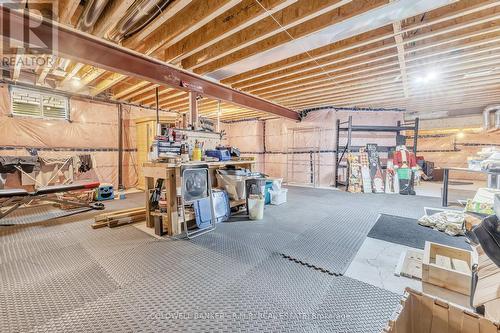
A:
(447, 267)
(487, 291)
(422, 313)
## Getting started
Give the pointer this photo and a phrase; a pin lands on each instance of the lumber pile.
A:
(119, 217)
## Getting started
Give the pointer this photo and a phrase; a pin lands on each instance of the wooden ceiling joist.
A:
(83, 48)
(126, 88)
(322, 16)
(401, 56)
(348, 66)
(110, 16)
(297, 61)
(288, 17)
(235, 19)
(186, 21)
(378, 68)
(369, 52)
(66, 10)
(452, 12)
(168, 13)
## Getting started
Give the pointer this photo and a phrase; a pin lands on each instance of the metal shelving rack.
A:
(347, 126)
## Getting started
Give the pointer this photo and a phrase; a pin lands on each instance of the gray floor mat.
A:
(406, 231)
(28, 215)
(351, 306)
(331, 244)
(61, 275)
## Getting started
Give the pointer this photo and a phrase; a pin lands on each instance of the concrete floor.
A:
(433, 189)
(60, 275)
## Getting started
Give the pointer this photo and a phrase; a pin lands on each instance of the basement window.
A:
(32, 103)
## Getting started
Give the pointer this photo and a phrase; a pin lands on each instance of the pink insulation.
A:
(92, 125)
(316, 132)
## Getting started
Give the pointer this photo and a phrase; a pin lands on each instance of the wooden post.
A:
(193, 109)
(120, 146)
(217, 129)
(185, 121)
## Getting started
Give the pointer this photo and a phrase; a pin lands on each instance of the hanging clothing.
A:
(404, 157)
(85, 163)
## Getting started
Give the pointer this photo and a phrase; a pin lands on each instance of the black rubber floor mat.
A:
(407, 231)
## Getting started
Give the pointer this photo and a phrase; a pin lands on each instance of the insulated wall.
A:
(440, 142)
(92, 129)
(248, 136)
(308, 145)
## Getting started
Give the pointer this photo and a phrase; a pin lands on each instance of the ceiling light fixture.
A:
(76, 82)
(430, 76)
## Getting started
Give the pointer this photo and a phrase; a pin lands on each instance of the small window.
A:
(32, 103)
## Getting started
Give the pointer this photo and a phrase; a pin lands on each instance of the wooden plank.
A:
(73, 70)
(109, 81)
(461, 265)
(344, 45)
(128, 87)
(126, 220)
(107, 214)
(443, 261)
(411, 265)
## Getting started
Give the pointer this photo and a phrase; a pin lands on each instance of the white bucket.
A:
(256, 207)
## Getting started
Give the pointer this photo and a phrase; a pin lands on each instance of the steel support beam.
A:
(85, 48)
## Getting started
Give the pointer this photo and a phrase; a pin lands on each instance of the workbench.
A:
(171, 174)
(446, 175)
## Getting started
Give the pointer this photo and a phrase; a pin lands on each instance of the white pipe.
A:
(486, 115)
(497, 119)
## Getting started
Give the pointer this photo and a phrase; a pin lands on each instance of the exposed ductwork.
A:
(91, 14)
(139, 16)
(486, 116)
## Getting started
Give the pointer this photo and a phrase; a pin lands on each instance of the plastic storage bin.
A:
(278, 197)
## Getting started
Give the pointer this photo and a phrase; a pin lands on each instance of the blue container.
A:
(105, 192)
(221, 155)
(269, 185)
